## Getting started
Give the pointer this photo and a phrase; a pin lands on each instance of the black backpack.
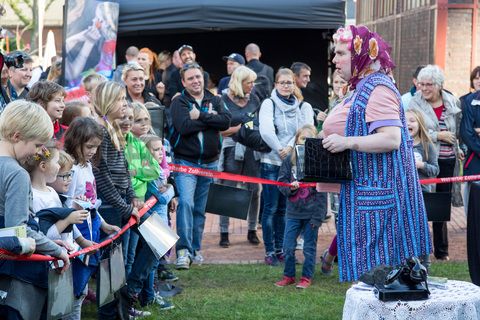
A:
(263, 85)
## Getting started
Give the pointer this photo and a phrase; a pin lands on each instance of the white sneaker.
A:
(135, 313)
(183, 260)
(162, 303)
(198, 258)
(300, 243)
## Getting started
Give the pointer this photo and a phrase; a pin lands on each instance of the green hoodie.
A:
(141, 164)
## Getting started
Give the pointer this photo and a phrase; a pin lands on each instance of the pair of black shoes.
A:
(251, 237)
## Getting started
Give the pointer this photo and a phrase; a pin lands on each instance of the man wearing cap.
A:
(19, 66)
(233, 61)
(198, 117)
(174, 86)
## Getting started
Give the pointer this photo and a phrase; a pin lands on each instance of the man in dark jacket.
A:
(175, 83)
(197, 117)
(265, 76)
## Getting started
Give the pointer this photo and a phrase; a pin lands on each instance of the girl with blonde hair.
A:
(114, 186)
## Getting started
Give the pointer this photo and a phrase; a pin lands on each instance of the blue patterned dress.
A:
(382, 218)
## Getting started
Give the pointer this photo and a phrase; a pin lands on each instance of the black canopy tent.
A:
(285, 30)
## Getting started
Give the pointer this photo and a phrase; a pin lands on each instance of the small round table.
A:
(460, 300)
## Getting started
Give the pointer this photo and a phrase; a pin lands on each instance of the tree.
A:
(29, 22)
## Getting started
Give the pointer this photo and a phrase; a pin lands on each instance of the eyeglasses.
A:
(188, 66)
(428, 85)
(285, 83)
(65, 176)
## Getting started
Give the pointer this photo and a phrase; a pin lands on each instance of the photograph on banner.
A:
(91, 38)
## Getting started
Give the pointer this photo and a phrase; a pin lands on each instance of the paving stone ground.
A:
(241, 252)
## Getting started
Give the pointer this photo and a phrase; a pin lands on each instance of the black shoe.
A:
(224, 243)
(167, 275)
(125, 303)
(252, 237)
(168, 290)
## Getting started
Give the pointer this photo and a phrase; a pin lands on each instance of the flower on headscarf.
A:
(373, 48)
(355, 72)
(357, 44)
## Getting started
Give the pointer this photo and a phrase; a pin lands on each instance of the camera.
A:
(16, 59)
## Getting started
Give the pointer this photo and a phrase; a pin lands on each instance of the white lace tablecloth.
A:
(461, 300)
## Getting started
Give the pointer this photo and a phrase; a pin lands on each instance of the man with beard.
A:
(175, 84)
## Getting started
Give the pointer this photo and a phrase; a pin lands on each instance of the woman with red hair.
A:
(149, 62)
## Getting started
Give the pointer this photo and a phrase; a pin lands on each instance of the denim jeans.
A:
(273, 215)
(310, 235)
(143, 264)
(129, 246)
(193, 192)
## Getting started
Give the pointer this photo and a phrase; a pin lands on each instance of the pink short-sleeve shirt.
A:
(383, 109)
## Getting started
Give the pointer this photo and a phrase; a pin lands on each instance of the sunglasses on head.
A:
(188, 66)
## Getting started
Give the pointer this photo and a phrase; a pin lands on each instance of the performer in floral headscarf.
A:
(382, 219)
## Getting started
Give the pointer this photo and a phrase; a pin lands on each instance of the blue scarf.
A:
(290, 100)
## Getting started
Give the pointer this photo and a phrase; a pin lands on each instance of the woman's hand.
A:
(284, 152)
(294, 185)
(321, 116)
(335, 143)
(446, 136)
(461, 155)
(160, 87)
(231, 131)
(419, 164)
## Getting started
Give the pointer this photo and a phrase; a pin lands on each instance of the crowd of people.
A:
(111, 152)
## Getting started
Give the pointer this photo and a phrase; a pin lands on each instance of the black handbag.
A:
(228, 201)
(320, 165)
(250, 137)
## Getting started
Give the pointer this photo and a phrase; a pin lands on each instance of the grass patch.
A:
(247, 292)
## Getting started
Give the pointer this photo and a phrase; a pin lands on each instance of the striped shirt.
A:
(446, 150)
(113, 179)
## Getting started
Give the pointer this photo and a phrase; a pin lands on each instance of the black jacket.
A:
(470, 121)
(197, 141)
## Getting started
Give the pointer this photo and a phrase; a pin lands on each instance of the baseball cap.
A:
(184, 47)
(235, 57)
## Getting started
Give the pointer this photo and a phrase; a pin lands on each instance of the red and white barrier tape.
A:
(239, 178)
(7, 255)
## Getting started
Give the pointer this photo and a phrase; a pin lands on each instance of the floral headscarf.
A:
(370, 53)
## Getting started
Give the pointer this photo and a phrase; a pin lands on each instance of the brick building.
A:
(442, 32)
